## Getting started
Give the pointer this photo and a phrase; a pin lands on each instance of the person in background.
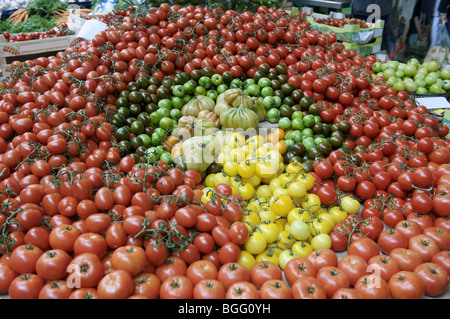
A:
(359, 11)
(443, 11)
(417, 34)
(435, 20)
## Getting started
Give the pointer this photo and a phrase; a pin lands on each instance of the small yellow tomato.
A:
(268, 254)
(255, 243)
(300, 214)
(285, 256)
(266, 169)
(246, 169)
(350, 205)
(338, 214)
(306, 179)
(297, 191)
(221, 178)
(236, 140)
(274, 184)
(246, 190)
(270, 232)
(311, 203)
(255, 180)
(282, 205)
(251, 219)
(231, 168)
(285, 240)
(246, 259)
(321, 241)
(320, 226)
(263, 191)
(266, 214)
(328, 217)
(294, 167)
(299, 230)
(302, 248)
(209, 180)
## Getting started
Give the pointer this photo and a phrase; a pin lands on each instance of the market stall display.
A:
(191, 152)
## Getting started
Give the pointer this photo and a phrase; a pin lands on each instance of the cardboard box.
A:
(350, 32)
(24, 50)
(365, 49)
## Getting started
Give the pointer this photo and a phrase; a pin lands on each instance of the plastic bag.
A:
(440, 52)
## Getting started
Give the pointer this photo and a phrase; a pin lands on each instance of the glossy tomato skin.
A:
(275, 289)
(308, 288)
(209, 289)
(117, 284)
(406, 285)
(25, 286)
(435, 278)
(176, 287)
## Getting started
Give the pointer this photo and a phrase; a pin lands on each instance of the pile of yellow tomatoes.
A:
(284, 219)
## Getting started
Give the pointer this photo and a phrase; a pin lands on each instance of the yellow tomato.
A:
(255, 141)
(302, 248)
(285, 256)
(294, 167)
(263, 191)
(231, 168)
(253, 206)
(209, 180)
(267, 255)
(255, 243)
(328, 217)
(320, 226)
(221, 158)
(282, 205)
(299, 230)
(350, 205)
(297, 191)
(246, 259)
(311, 203)
(221, 178)
(270, 232)
(285, 179)
(246, 169)
(280, 191)
(266, 214)
(266, 169)
(321, 241)
(306, 179)
(280, 222)
(236, 140)
(285, 240)
(338, 214)
(255, 180)
(251, 219)
(274, 184)
(246, 190)
(300, 214)
(236, 155)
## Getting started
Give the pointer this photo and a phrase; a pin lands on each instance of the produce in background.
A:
(413, 77)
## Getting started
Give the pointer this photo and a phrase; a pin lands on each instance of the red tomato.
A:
(176, 287)
(332, 279)
(201, 270)
(353, 266)
(372, 286)
(435, 278)
(232, 272)
(364, 247)
(209, 289)
(275, 289)
(118, 284)
(308, 288)
(263, 271)
(406, 285)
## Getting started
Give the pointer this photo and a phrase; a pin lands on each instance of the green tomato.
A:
(410, 87)
(297, 136)
(285, 123)
(164, 112)
(392, 65)
(264, 82)
(422, 90)
(268, 102)
(205, 82)
(308, 142)
(212, 94)
(297, 124)
(165, 104)
(445, 74)
(277, 101)
(309, 120)
(146, 140)
(307, 132)
(189, 87)
(435, 88)
(175, 114)
(266, 91)
(289, 143)
(178, 90)
(297, 114)
(399, 74)
(166, 157)
(221, 88)
(410, 70)
(248, 82)
(155, 117)
(376, 67)
(388, 73)
(273, 115)
(166, 123)
(199, 90)
(430, 79)
(216, 79)
(391, 81)
(419, 76)
(414, 62)
(399, 86)
(446, 85)
(433, 66)
(177, 102)
(237, 83)
(157, 139)
(420, 83)
(253, 90)
(153, 154)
